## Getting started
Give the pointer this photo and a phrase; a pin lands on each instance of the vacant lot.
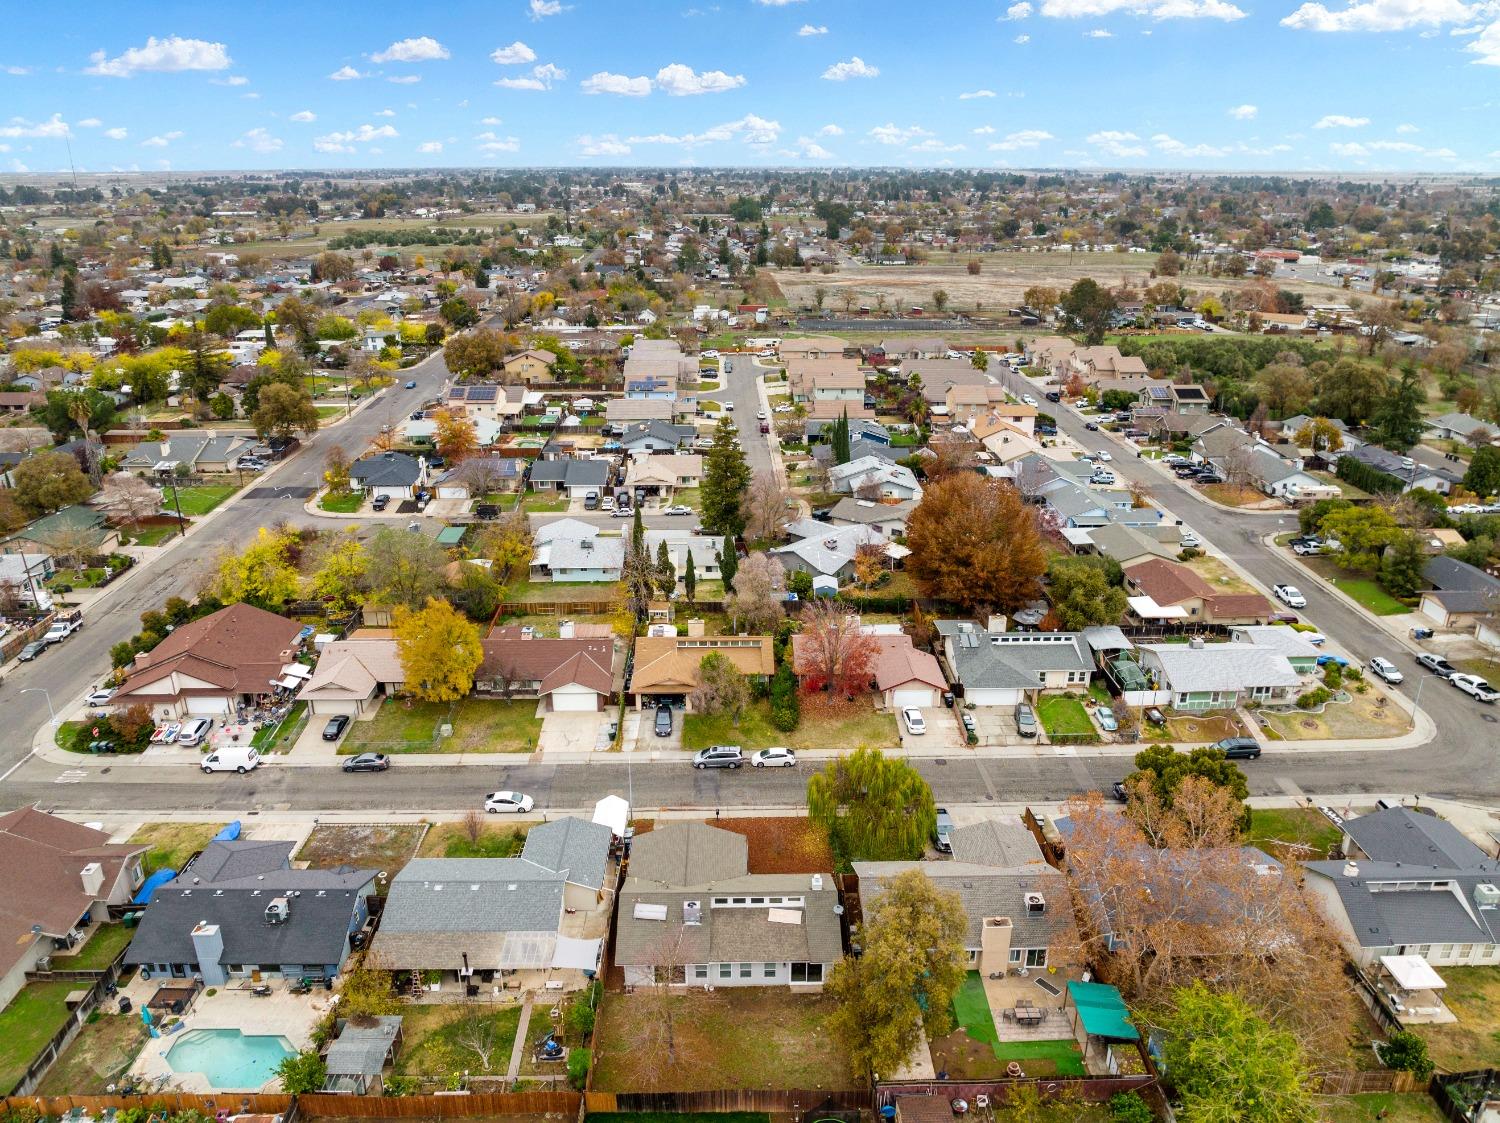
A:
(823, 726)
(479, 726)
(366, 846)
(28, 1023)
(745, 1037)
(783, 844)
(451, 840)
(1473, 995)
(173, 843)
(442, 1040)
(1292, 832)
(98, 1057)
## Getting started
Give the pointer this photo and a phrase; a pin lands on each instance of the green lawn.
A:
(544, 502)
(280, 738)
(28, 1023)
(1298, 826)
(154, 535)
(754, 731)
(480, 725)
(342, 502)
(197, 500)
(434, 1040)
(330, 411)
(1063, 715)
(106, 943)
(1065, 1055)
(1370, 595)
(972, 1010)
(1473, 1042)
(1410, 1107)
(172, 844)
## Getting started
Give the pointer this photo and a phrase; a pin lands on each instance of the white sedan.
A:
(774, 758)
(100, 697)
(1102, 455)
(678, 509)
(916, 724)
(1290, 595)
(497, 803)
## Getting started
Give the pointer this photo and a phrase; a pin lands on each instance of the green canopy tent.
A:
(1105, 1021)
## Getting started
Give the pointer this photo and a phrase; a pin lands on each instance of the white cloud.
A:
(933, 144)
(51, 128)
(251, 96)
(491, 143)
(894, 134)
(606, 83)
(423, 48)
(606, 145)
(1022, 40)
(259, 140)
(810, 29)
(678, 80)
(806, 148)
(976, 94)
(1379, 15)
(1350, 149)
(161, 141)
(429, 147)
(15, 71)
(753, 130)
(1487, 46)
(1244, 112)
(232, 80)
(385, 113)
(405, 79)
(520, 83)
(984, 130)
(1340, 121)
(1025, 138)
(830, 130)
(345, 141)
(90, 123)
(1151, 9)
(541, 78)
(856, 67)
(117, 133)
(345, 74)
(1100, 33)
(541, 9)
(1018, 11)
(490, 121)
(1117, 143)
(1174, 147)
(1407, 129)
(162, 55)
(304, 116)
(518, 52)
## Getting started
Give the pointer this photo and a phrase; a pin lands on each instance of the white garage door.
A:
(328, 707)
(919, 697)
(579, 701)
(205, 707)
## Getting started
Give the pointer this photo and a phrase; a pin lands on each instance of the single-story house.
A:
(210, 666)
(478, 918)
(354, 675)
(1218, 676)
(824, 550)
(703, 548)
(666, 667)
(1459, 427)
(1461, 594)
(656, 436)
(664, 475)
(480, 476)
(63, 528)
(574, 675)
(903, 675)
(1170, 583)
(59, 878)
(240, 908)
(693, 915)
(860, 429)
(1302, 655)
(870, 477)
(567, 473)
(578, 557)
(396, 475)
(859, 449)
(888, 518)
(1411, 472)
(1127, 545)
(999, 668)
(629, 410)
(200, 450)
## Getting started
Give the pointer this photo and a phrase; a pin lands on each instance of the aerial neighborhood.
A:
(891, 643)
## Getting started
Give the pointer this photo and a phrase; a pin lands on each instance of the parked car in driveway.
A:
(1437, 665)
(367, 762)
(335, 727)
(1385, 669)
(498, 803)
(719, 756)
(774, 758)
(1025, 720)
(1105, 716)
(663, 726)
(100, 697)
(915, 723)
(1476, 687)
(943, 831)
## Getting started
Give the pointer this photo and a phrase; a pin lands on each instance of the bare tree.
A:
(766, 507)
(129, 498)
(1239, 466)
(481, 474)
(473, 823)
(756, 602)
(72, 543)
(477, 1032)
(656, 1051)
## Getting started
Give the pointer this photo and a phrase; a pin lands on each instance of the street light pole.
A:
(43, 692)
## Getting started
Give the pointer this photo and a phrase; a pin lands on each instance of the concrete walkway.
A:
(518, 1050)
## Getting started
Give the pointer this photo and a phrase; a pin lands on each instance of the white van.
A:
(195, 731)
(231, 758)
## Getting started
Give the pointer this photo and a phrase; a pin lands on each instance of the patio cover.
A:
(580, 955)
(614, 813)
(1102, 1011)
(1412, 972)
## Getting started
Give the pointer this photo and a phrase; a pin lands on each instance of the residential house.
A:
(23, 576)
(1187, 401)
(210, 666)
(860, 448)
(1218, 676)
(241, 909)
(628, 411)
(832, 409)
(1018, 907)
(1410, 472)
(938, 376)
(355, 675)
(59, 878)
(1000, 413)
(1299, 652)
(999, 668)
(1002, 440)
(1461, 427)
(424, 430)
(572, 674)
(827, 379)
(579, 557)
(908, 350)
(870, 432)
(534, 921)
(691, 914)
(1212, 445)
(1124, 544)
(1412, 884)
(530, 367)
(21, 401)
(65, 529)
(901, 674)
(1171, 584)
(396, 475)
(480, 476)
(656, 436)
(666, 667)
(1050, 355)
(1095, 365)
(703, 548)
(870, 477)
(810, 347)
(651, 385)
(201, 451)
(572, 474)
(664, 476)
(888, 518)
(484, 401)
(824, 550)
(1461, 594)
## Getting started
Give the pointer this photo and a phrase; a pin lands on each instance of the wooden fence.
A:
(1089, 1089)
(255, 1102)
(1379, 1080)
(731, 1099)
(466, 1105)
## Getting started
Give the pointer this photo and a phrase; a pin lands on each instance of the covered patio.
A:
(1414, 990)
(1102, 1023)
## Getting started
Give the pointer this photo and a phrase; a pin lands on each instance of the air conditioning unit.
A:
(279, 911)
(1035, 903)
(1487, 896)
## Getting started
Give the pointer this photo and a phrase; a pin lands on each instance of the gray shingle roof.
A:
(473, 895)
(688, 855)
(361, 1050)
(1398, 834)
(986, 891)
(388, 469)
(980, 663)
(577, 849)
(994, 843)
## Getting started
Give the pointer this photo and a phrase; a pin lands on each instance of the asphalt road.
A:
(740, 388)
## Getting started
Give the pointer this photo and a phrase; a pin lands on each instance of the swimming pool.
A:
(228, 1058)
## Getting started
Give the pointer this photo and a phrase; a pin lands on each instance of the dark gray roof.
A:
(657, 430)
(1398, 834)
(575, 848)
(1450, 573)
(570, 472)
(361, 1050)
(823, 453)
(386, 469)
(980, 662)
(1389, 904)
(995, 843)
(987, 891)
(688, 855)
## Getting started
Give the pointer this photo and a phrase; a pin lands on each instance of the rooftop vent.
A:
(1487, 896)
(1351, 868)
(692, 912)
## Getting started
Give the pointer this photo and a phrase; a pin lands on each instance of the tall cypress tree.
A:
(729, 562)
(841, 451)
(690, 579)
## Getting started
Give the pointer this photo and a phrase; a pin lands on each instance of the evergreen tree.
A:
(270, 337)
(690, 579)
(1398, 419)
(729, 562)
(637, 532)
(725, 477)
(666, 574)
(481, 279)
(69, 297)
(161, 255)
(841, 452)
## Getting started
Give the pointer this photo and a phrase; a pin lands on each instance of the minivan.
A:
(231, 758)
(194, 731)
(1238, 748)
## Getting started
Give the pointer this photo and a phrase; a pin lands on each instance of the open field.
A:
(370, 846)
(173, 843)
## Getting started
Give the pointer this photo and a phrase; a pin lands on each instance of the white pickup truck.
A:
(63, 627)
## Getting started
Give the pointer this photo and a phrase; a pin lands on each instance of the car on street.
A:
(774, 758)
(1028, 399)
(1238, 748)
(1290, 595)
(943, 831)
(99, 697)
(499, 803)
(367, 762)
(335, 727)
(915, 723)
(32, 650)
(760, 415)
(709, 354)
(678, 509)
(1105, 716)
(411, 384)
(1091, 426)
(1385, 669)
(663, 726)
(622, 512)
(1437, 665)
(719, 756)
(1025, 720)
(1188, 540)
(1117, 789)
(1102, 455)
(1476, 687)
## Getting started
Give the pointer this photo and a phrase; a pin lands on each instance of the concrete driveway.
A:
(646, 738)
(943, 731)
(574, 732)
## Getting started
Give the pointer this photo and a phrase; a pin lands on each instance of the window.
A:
(726, 970)
(757, 900)
(1036, 957)
(745, 970)
(807, 972)
(236, 968)
(700, 970)
(769, 970)
(1015, 955)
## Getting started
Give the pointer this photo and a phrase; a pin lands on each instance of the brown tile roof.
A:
(238, 650)
(669, 664)
(552, 662)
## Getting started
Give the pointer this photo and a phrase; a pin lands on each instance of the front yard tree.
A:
(729, 562)
(456, 438)
(1319, 434)
(756, 603)
(690, 580)
(439, 650)
(477, 354)
(975, 544)
(129, 498)
(1164, 769)
(1402, 564)
(766, 512)
(1363, 533)
(283, 410)
(263, 574)
(1483, 476)
(875, 808)
(336, 469)
(1086, 309)
(1081, 593)
(49, 482)
(721, 688)
(838, 654)
(1228, 1063)
(725, 477)
(403, 568)
(340, 568)
(901, 988)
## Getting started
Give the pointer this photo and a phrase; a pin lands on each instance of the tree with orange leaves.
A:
(456, 438)
(975, 543)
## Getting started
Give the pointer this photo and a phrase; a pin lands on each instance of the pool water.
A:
(228, 1058)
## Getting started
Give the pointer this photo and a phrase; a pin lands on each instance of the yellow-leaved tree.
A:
(263, 574)
(439, 649)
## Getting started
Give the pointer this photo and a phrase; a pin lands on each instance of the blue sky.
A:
(1404, 85)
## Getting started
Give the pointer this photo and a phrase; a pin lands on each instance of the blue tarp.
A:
(228, 834)
(151, 885)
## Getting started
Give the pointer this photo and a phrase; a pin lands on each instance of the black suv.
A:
(1238, 748)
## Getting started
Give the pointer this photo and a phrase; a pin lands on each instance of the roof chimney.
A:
(93, 879)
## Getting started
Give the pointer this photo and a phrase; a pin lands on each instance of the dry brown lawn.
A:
(371, 846)
(1363, 717)
(783, 844)
(1219, 575)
